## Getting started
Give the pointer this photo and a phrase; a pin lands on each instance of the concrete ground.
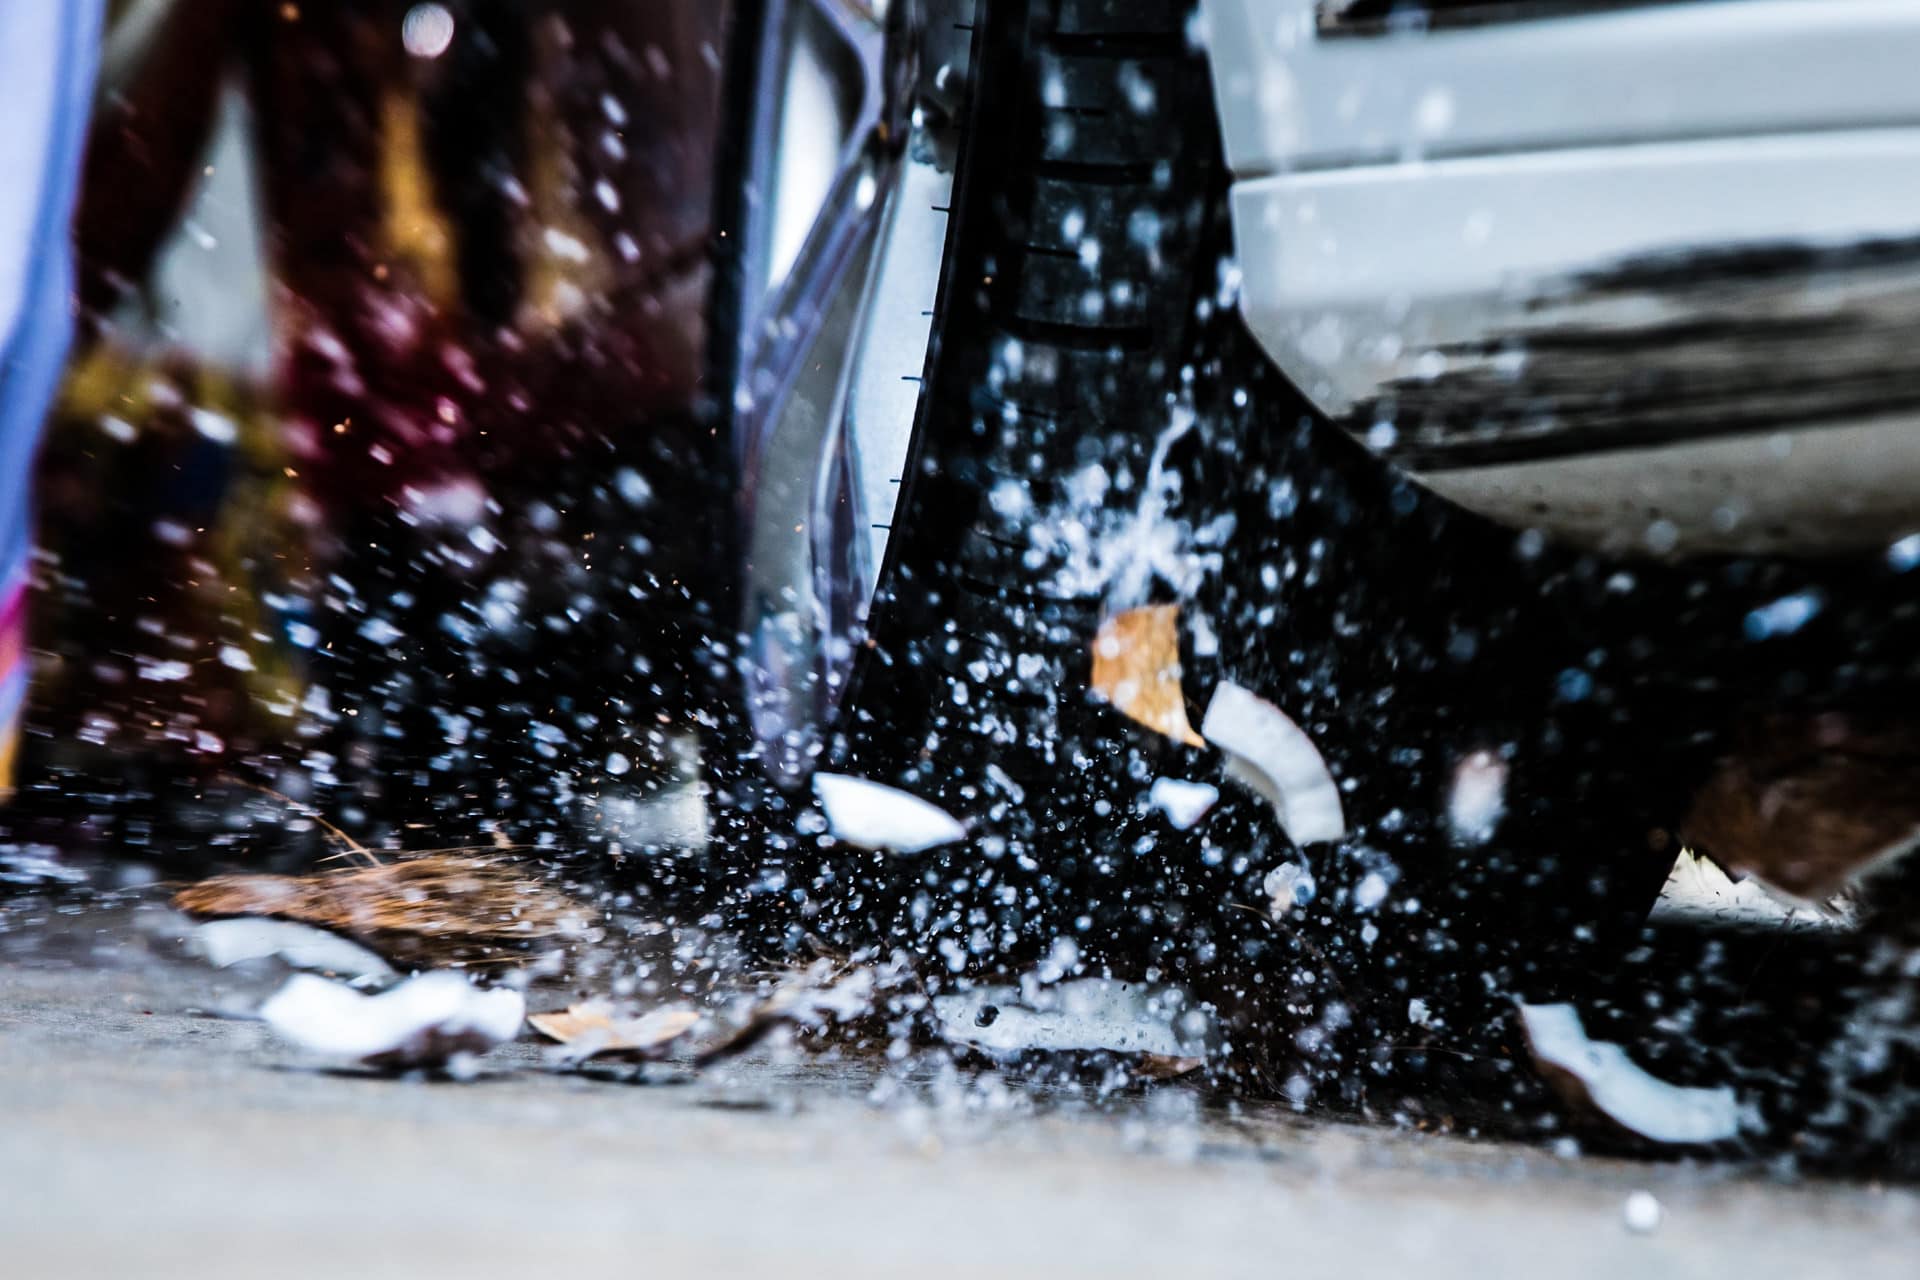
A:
(141, 1137)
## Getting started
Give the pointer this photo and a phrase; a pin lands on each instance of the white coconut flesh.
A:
(1622, 1089)
(422, 1022)
(238, 939)
(872, 815)
(1274, 757)
(1082, 1014)
(1184, 803)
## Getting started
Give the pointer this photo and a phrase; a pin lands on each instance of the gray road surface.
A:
(138, 1139)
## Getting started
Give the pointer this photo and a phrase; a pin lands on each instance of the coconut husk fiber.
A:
(438, 909)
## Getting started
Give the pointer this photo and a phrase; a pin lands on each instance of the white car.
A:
(1640, 274)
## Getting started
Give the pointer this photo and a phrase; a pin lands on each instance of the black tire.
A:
(1084, 306)
(1076, 242)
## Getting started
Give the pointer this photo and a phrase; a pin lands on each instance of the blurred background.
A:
(380, 479)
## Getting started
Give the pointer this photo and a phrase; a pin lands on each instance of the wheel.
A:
(1092, 431)
(1080, 234)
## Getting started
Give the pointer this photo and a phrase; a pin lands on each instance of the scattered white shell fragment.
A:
(1184, 803)
(1286, 887)
(223, 943)
(1699, 892)
(1086, 1013)
(1274, 756)
(1477, 799)
(422, 1022)
(1642, 1213)
(1619, 1087)
(872, 815)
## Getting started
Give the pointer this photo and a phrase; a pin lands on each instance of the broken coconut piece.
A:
(423, 1022)
(1275, 758)
(1184, 803)
(872, 815)
(1596, 1074)
(1136, 667)
(1081, 1014)
(591, 1030)
(224, 943)
(1699, 893)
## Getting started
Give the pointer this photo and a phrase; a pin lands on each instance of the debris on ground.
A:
(872, 815)
(828, 990)
(1136, 668)
(1082, 1014)
(1183, 803)
(593, 1029)
(237, 939)
(1157, 1066)
(1642, 1213)
(426, 1021)
(1598, 1076)
(1275, 758)
(433, 909)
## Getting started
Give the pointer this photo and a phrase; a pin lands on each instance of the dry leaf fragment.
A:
(591, 1030)
(1136, 667)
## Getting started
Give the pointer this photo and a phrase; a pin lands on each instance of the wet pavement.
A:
(142, 1135)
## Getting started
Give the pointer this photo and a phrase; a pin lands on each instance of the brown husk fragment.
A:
(1809, 804)
(430, 908)
(1160, 1066)
(1136, 667)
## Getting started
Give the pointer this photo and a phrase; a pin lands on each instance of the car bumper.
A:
(1645, 277)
